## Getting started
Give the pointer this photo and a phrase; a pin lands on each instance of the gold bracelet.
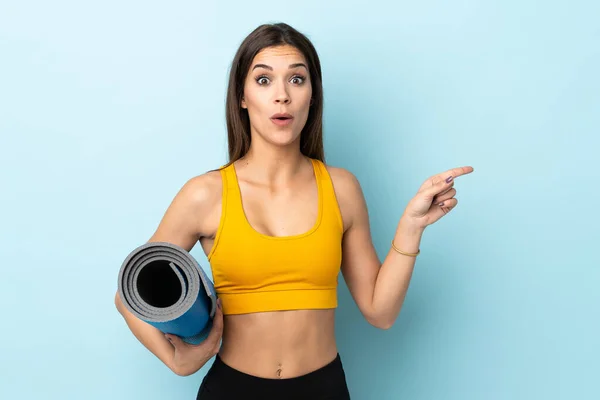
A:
(402, 252)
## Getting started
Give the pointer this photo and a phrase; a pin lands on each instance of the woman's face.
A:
(277, 94)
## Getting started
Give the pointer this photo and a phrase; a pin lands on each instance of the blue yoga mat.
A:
(162, 284)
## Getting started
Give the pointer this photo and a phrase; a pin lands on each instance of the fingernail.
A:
(449, 179)
(441, 204)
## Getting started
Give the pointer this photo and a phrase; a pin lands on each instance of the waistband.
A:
(329, 379)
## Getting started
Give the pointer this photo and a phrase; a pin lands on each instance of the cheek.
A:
(250, 96)
(306, 103)
(256, 102)
(307, 93)
(307, 98)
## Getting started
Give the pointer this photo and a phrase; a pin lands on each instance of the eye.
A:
(262, 80)
(298, 79)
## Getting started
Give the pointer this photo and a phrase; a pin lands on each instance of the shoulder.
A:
(192, 211)
(202, 196)
(345, 182)
(348, 192)
(203, 188)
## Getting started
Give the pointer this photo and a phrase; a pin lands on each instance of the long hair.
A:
(238, 121)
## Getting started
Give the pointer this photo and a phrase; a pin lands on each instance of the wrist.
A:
(408, 226)
(408, 237)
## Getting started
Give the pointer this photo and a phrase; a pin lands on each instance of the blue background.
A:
(107, 108)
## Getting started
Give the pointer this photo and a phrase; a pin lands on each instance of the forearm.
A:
(394, 276)
(152, 338)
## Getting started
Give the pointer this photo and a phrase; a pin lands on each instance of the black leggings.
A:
(225, 382)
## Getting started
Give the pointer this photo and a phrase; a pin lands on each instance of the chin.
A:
(283, 138)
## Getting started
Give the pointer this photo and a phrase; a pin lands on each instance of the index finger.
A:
(454, 173)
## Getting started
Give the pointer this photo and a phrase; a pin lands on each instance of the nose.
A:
(282, 96)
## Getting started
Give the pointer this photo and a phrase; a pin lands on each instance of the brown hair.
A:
(238, 121)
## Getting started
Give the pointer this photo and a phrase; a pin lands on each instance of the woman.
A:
(278, 225)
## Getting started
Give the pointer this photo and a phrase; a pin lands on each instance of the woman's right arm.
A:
(187, 219)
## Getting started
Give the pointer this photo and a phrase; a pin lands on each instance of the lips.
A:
(281, 117)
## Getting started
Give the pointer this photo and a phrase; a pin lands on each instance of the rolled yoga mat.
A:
(162, 284)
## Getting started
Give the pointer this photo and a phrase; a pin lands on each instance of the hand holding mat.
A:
(163, 285)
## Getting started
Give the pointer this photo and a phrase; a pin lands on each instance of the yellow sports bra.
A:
(253, 272)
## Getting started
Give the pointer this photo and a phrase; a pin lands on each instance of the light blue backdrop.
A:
(106, 109)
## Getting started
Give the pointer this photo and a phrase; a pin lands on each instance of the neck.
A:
(272, 164)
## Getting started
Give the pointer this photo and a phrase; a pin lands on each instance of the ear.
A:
(244, 103)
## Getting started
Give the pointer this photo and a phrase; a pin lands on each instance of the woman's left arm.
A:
(379, 288)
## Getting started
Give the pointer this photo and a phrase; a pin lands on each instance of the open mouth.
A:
(281, 119)
(281, 116)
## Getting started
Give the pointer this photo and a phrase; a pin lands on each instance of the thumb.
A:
(439, 187)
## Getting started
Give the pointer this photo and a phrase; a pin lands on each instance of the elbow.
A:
(384, 325)
(182, 371)
(381, 323)
(118, 303)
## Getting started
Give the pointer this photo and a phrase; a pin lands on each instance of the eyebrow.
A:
(265, 66)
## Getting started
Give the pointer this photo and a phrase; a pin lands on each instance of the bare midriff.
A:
(280, 344)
